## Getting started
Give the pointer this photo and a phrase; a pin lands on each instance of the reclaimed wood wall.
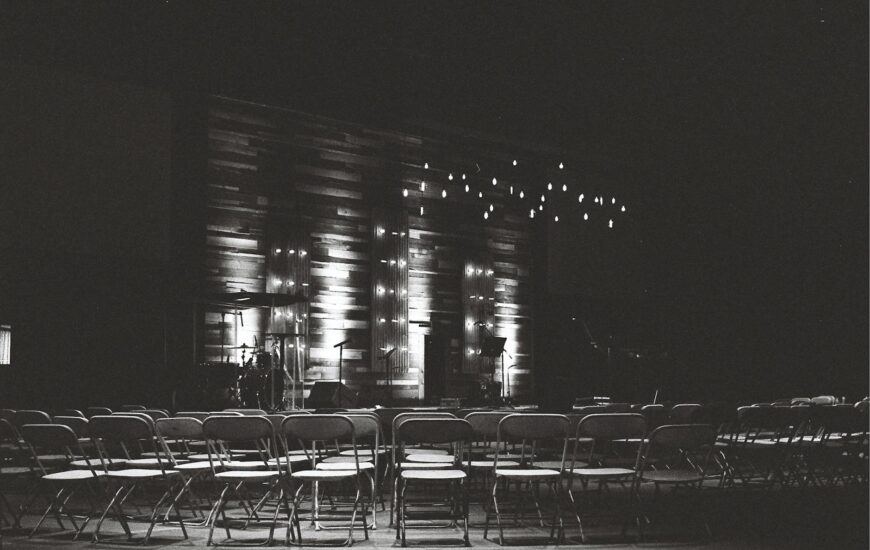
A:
(379, 228)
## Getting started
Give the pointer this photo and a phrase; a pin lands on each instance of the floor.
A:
(782, 519)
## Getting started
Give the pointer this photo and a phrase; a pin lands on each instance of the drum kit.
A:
(262, 379)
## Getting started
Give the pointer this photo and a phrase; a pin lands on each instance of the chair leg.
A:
(218, 509)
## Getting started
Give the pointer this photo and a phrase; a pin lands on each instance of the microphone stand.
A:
(340, 347)
(386, 357)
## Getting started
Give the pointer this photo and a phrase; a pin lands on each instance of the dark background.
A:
(737, 131)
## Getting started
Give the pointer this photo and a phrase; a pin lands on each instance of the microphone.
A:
(342, 343)
(242, 319)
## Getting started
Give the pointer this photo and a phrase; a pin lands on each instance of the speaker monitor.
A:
(326, 395)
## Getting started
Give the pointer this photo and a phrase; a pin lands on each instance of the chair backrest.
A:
(199, 415)
(237, 429)
(121, 427)
(318, 427)
(7, 414)
(684, 437)
(434, 431)
(588, 409)
(612, 426)
(153, 413)
(617, 407)
(70, 412)
(23, 417)
(77, 424)
(97, 411)
(44, 439)
(366, 426)
(685, 413)
(537, 429)
(8, 433)
(823, 400)
(179, 428)
(128, 408)
(248, 412)
(655, 415)
(485, 424)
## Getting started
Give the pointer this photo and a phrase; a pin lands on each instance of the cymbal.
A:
(244, 300)
(243, 346)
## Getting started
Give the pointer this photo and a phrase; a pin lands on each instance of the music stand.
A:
(386, 358)
(493, 346)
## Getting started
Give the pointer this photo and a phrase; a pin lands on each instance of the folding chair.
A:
(183, 431)
(684, 413)
(11, 468)
(239, 476)
(676, 456)
(604, 430)
(52, 440)
(435, 431)
(97, 411)
(538, 430)
(322, 429)
(128, 433)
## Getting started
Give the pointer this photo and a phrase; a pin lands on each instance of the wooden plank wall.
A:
(383, 234)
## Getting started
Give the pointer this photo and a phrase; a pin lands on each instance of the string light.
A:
(467, 188)
(381, 231)
(494, 181)
(585, 217)
(622, 209)
(512, 189)
(444, 193)
(522, 195)
(613, 200)
(450, 176)
(404, 192)
(426, 165)
(480, 194)
(543, 198)
(422, 186)
(561, 166)
(541, 207)
(515, 162)
(549, 186)
(532, 213)
(277, 251)
(291, 251)
(610, 224)
(491, 208)
(564, 187)
(556, 218)
(486, 215)
(291, 283)
(463, 177)
(421, 210)
(580, 198)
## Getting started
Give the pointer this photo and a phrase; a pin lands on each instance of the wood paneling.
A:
(382, 242)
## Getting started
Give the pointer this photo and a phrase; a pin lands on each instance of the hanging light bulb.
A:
(543, 198)
(622, 209)
(515, 162)
(512, 189)
(486, 215)
(277, 251)
(480, 194)
(522, 195)
(541, 207)
(549, 186)
(450, 176)
(463, 177)
(561, 166)
(426, 165)
(467, 188)
(613, 200)
(532, 213)
(580, 198)
(494, 181)
(564, 187)
(422, 186)
(444, 193)
(556, 218)
(421, 210)
(610, 224)
(491, 208)
(585, 217)
(404, 192)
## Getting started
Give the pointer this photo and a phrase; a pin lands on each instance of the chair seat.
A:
(361, 452)
(293, 459)
(71, 475)
(58, 458)
(434, 475)
(318, 475)
(424, 451)
(344, 460)
(528, 472)
(344, 466)
(15, 470)
(557, 464)
(671, 476)
(95, 462)
(148, 462)
(438, 458)
(204, 456)
(243, 464)
(153, 454)
(420, 465)
(508, 456)
(488, 464)
(246, 475)
(602, 472)
(138, 473)
(189, 466)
